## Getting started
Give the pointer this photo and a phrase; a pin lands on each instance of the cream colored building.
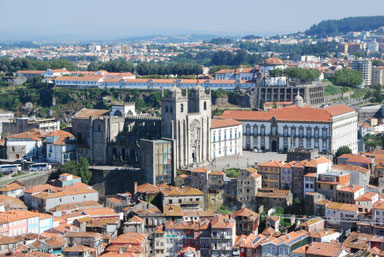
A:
(378, 76)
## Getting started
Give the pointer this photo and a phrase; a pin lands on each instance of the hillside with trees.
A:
(342, 26)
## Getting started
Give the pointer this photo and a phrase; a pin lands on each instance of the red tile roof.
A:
(290, 113)
(222, 123)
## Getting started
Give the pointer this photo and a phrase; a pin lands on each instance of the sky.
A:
(113, 19)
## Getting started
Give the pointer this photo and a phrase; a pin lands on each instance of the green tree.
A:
(80, 169)
(342, 150)
(93, 66)
(347, 77)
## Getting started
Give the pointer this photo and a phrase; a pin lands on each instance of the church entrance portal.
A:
(274, 146)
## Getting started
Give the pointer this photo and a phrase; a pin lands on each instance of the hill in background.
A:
(342, 26)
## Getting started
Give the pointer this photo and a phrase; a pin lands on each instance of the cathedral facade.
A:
(186, 119)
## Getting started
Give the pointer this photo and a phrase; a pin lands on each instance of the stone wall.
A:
(31, 181)
(112, 180)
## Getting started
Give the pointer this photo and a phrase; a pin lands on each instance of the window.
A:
(166, 108)
(171, 109)
(205, 106)
(181, 107)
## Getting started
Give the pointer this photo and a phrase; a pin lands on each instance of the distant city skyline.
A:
(114, 19)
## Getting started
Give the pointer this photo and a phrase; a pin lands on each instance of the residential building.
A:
(286, 177)
(14, 189)
(251, 246)
(247, 221)
(364, 66)
(332, 249)
(20, 125)
(341, 213)
(378, 213)
(366, 202)
(88, 239)
(328, 183)
(45, 201)
(248, 182)
(199, 179)
(188, 198)
(270, 172)
(273, 198)
(358, 175)
(378, 76)
(26, 145)
(181, 234)
(223, 235)
(60, 146)
(284, 245)
(349, 194)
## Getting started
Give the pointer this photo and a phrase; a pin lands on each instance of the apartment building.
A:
(247, 221)
(365, 68)
(47, 200)
(270, 172)
(248, 182)
(223, 236)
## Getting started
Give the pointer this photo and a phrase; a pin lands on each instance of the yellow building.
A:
(270, 172)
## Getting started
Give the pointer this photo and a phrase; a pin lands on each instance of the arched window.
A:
(205, 106)
(181, 107)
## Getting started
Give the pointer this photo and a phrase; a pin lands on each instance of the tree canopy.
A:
(80, 169)
(9, 66)
(304, 75)
(347, 77)
(343, 150)
(342, 26)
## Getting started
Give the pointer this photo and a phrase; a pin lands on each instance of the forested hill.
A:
(335, 27)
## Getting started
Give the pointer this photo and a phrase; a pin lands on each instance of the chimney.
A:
(135, 188)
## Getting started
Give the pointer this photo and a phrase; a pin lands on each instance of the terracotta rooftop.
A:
(222, 123)
(351, 188)
(348, 167)
(147, 188)
(324, 249)
(342, 206)
(15, 185)
(87, 113)
(245, 212)
(290, 113)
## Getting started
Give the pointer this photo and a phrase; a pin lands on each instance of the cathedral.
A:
(180, 138)
(187, 120)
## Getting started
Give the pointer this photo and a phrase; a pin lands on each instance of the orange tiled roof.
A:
(62, 136)
(342, 206)
(289, 113)
(222, 123)
(15, 185)
(350, 188)
(87, 113)
(348, 167)
(147, 188)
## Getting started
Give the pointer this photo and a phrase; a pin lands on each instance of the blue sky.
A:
(23, 19)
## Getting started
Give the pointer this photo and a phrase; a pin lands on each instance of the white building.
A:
(26, 145)
(336, 212)
(226, 138)
(298, 126)
(364, 66)
(60, 146)
(378, 213)
(56, 73)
